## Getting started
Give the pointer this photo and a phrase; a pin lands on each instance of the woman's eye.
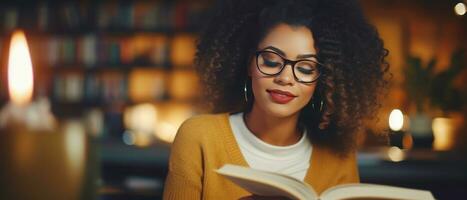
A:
(306, 70)
(270, 63)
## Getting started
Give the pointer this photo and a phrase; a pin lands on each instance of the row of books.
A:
(140, 85)
(106, 15)
(93, 50)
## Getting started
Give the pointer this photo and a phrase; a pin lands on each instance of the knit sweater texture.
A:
(206, 142)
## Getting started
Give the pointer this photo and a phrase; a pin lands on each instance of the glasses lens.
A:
(307, 71)
(269, 63)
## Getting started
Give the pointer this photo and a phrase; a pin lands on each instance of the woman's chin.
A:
(280, 110)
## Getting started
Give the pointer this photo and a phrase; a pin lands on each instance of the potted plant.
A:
(449, 94)
(444, 93)
(430, 90)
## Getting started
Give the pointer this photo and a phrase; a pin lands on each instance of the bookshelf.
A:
(106, 56)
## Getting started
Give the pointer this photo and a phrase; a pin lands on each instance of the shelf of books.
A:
(103, 61)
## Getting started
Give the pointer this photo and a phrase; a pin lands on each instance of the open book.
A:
(273, 184)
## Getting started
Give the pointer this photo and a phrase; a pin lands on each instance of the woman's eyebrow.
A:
(276, 50)
(306, 56)
(283, 54)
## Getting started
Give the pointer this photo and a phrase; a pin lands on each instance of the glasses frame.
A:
(292, 64)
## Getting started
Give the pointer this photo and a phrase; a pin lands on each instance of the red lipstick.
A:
(281, 97)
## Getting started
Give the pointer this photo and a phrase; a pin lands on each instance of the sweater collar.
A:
(317, 160)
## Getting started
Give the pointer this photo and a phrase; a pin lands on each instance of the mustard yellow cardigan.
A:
(205, 142)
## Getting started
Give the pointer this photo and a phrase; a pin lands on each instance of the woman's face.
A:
(292, 43)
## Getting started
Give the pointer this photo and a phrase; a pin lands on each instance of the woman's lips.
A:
(281, 97)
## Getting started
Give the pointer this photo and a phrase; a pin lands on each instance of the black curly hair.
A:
(354, 71)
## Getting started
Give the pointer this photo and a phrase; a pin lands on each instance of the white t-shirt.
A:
(292, 160)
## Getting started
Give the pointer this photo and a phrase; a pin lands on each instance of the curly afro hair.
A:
(353, 54)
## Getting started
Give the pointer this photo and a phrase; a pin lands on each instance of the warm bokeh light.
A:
(20, 73)
(166, 132)
(140, 121)
(146, 122)
(396, 154)
(396, 120)
(174, 115)
(460, 9)
(75, 150)
(443, 132)
(141, 118)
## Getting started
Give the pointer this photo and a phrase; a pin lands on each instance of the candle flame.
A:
(20, 74)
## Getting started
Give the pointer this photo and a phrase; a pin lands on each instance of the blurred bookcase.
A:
(96, 59)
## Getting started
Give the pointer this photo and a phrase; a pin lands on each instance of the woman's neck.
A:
(280, 131)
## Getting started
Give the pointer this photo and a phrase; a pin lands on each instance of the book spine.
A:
(53, 51)
(91, 88)
(11, 19)
(43, 17)
(89, 50)
(73, 88)
(58, 88)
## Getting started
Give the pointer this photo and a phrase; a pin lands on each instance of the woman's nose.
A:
(285, 76)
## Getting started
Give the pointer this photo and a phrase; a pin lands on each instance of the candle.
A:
(38, 161)
(444, 132)
(20, 113)
(396, 122)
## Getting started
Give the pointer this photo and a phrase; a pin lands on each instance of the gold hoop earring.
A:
(245, 92)
(320, 106)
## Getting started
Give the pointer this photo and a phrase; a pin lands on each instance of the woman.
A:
(289, 83)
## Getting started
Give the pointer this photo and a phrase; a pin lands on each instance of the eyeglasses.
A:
(304, 70)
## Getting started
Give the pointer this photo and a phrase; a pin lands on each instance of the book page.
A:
(371, 191)
(267, 183)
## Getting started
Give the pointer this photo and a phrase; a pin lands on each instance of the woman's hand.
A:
(256, 197)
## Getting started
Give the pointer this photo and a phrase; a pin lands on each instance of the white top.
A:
(292, 160)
